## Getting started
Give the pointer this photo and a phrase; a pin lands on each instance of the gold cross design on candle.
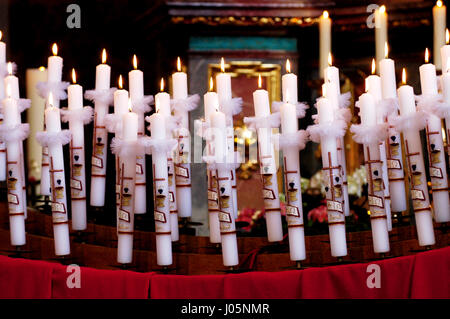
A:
(56, 194)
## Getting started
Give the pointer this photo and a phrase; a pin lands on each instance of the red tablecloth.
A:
(424, 275)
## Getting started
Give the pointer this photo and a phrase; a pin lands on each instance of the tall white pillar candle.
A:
(446, 93)
(324, 41)
(2, 96)
(445, 53)
(439, 25)
(381, 32)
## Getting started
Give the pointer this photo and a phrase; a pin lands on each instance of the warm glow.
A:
(130, 108)
(120, 82)
(10, 68)
(386, 50)
(373, 66)
(404, 76)
(8, 90)
(222, 64)
(50, 99)
(178, 64)
(447, 36)
(211, 84)
(383, 9)
(161, 85)
(55, 49)
(74, 76)
(427, 55)
(259, 81)
(42, 68)
(104, 56)
(288, 66)
(324, 90)
(135, 61)
(439, 3)
(330, 59)
(1, 35)
(325, 14)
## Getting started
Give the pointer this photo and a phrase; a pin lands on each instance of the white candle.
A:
(54, 70)
(436, 153)
(324, 41)
(268, 169)
(439, 25)
(136, 80)
(100, 138)
(223, 81)
(16, 207)
(419, 189)
(58, 184)
(224, 188)
(35, 117)
(333, 181)
(211, 102)
(289, 86)
(373, 85)
(125, 216)
(446, 94)
(161, 190)
(292, 181)
(182, 167)
(374, 168)
(381, 32)
(77, 161)
(2, 96)
(445, 53)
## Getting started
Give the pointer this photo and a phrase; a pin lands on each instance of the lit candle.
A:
(373, 163)
(162, 104)
(373, 86)
(16, 207)
(136, 80)
(2, 64)
(268, 167)
(381, 32)
(414, 156)
(58, 182)
(439, 25)
(324, 41)
(211, 103)
(445, 53)
(182, 167)
(100, 138)
(223, 81)
(224, 189)
(435, 143)
(289, 85)
(2, 96)
(393, 144)
(161, 190)
(125, 216)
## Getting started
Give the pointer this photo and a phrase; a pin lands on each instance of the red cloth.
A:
(100, 284)
(23, 278)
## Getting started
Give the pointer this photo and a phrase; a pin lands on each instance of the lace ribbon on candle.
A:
(269, 121)
(172, 122)
(58, 89)
(344, 99)
(300, 107)
(201, 127)
(295, 140)
(369, 134)
(84, 114)
(4, 69)
(232, 106)
(22, 104)
(143, 105)
(105, 96)
(14, 133)
(386, 107)
(414, 121)
(335, 129)
(113, 123)
(433, 104)
(126, 148)
(188, 104)
(342, 113)
(158, 145)
(52, 138)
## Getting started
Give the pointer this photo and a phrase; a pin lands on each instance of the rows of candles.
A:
(385, 113)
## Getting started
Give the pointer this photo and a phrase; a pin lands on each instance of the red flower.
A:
(318, 214)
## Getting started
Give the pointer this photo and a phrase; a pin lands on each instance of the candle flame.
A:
(10, 68)
(325, 14)
(439, 3)
(259, 81)
(383, 9)
(50, 99)
(1, 35)
(104, 56)
(288, 66)
(330, 59)
(135, 61)
(42, 68)
(74, 76)
(222, 64)
(373, 66)
(8, 90)
(447, 36)
(386, 50)
(211, 84)
(427, 55)
(403, 76)
(55, 49)
(120, 82)
(178, 64)
(130, 108)
(161, 85)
